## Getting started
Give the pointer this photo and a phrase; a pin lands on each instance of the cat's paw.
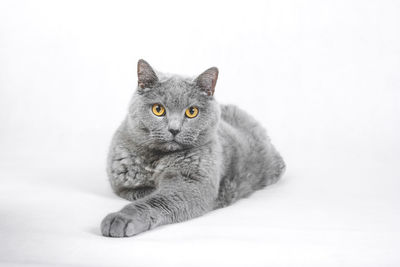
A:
(119, 224)
(121, 166)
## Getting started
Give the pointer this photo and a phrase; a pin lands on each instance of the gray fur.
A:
(219, 156)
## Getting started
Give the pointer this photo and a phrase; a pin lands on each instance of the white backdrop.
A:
(321, 76)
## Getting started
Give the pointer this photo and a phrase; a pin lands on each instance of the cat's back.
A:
(250, 160)
(240, 132)
(242, 123)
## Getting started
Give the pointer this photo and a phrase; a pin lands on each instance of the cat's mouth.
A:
(170, 145)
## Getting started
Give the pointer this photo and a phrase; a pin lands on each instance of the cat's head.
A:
(169, 112)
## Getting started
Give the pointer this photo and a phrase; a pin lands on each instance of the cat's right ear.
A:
(146, 75)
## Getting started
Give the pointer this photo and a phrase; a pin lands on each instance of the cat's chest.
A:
(142, 170)
(131, 169)
(149, 168)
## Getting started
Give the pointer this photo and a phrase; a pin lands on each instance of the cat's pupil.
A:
(191, 110)
(158, 108)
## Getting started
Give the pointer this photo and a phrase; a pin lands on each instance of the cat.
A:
(179, 154)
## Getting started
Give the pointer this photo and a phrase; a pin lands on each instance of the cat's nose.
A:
(174, 131)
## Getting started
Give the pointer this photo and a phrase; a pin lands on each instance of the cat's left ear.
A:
(146, 75)
(207, 80)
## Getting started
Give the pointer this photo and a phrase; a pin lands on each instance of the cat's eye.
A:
(158, 110)
(191, 112)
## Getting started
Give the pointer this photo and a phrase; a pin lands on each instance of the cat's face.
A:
(173, 113)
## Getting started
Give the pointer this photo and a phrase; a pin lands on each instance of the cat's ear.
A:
(207, 80)
(146, 75)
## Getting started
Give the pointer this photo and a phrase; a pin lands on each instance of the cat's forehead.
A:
(176, 92)
(176, 85)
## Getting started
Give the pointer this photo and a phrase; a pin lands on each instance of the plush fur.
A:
(174, 168)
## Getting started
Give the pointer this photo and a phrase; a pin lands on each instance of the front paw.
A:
(120, 224)
(121, 167)
(125, 173)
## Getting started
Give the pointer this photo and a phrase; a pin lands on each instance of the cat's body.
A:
(173, 167)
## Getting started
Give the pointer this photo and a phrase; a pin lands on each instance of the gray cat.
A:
(179, 154)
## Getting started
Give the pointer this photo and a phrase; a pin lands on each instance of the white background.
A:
(321, 76)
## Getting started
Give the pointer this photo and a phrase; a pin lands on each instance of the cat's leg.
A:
(177, 199)
(132, 194)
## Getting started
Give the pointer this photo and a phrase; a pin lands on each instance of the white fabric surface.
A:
(310, 218)
(322, 76)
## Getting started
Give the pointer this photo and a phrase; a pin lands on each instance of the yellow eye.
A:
(191, 112)
(158, 110)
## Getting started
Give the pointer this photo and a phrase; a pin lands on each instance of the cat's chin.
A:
(172, 146)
